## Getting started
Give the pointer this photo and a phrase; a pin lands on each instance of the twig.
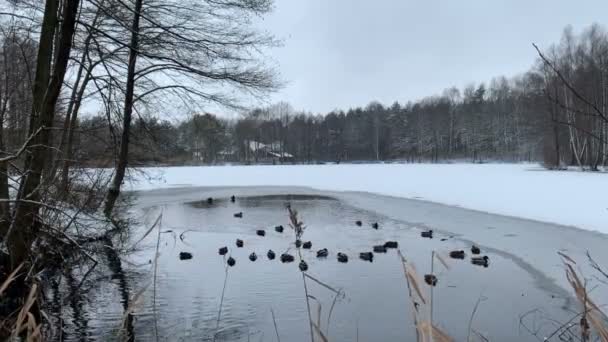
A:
(357, 326)
(479, 300)
(276, 330)
(219, 312)
(568, 85)
(331, 310)
(432, 287)
(409, 290)
(595, 265)
(312, 336)
(10, 279)
(159, 221)
(148, 231)
(23, 147)
(322, 283)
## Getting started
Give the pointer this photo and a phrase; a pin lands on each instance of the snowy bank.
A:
(520, 190)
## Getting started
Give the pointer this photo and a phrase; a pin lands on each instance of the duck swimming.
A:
(391, 244)
(286, 257)
(380, 249)
(231, 261)
(185, 256)
(367, 256)
(430, 279)
(270, 254)
(481, 261)
(322, 253)
(457, 254)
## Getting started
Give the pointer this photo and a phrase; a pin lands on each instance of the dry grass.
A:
(11, 277)
(592, 317)
(316, 329)
(298, 228)
(426, 331)
(25, 325)
(26, 322)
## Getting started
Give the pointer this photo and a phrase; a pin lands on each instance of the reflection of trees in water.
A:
(69, 296)
(76, 300)
(115, 266)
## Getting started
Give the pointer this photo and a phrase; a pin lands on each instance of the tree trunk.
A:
(22, 231)
(68, 148)
(121, 166)
(5, 213)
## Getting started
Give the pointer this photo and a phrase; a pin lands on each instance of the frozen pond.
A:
(524, 280)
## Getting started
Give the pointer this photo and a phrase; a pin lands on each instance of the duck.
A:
(367, 256)
(380, 249)
(185, 256)
(253, 257)
(298, 243)
(391, 244)
(279, 229)
(210, 200)
(358, 223)
(239, 215)
(342, 257)
(375, 225)
(231, 262)
(427, 234)
(457, 254)
(322, 253)
(261, 232)
(303, 266)
(286, 258)
(239, 243)
(430, 279)
(307, 245)
(481, 261)
(270, 254)
(223, 250)
(475, 250)
(232, 199)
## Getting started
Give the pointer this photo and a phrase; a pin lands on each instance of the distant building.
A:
(269, 152)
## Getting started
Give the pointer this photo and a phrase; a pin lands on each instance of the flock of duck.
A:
(476, 259)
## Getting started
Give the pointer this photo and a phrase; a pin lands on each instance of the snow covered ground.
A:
(522, 190)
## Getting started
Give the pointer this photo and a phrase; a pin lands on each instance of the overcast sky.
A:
(346, 53)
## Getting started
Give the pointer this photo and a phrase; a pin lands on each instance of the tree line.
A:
(553, 113)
